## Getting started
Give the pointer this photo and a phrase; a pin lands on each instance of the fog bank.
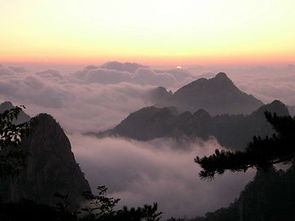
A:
(157, 171)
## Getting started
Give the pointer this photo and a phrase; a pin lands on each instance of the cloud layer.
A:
(91, 99)
(98, 97)
(160, 171)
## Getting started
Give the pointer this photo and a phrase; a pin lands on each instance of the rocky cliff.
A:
(51, 168)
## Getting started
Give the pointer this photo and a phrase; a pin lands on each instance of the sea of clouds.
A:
(91, 99)
(161, 171)
(95, 98)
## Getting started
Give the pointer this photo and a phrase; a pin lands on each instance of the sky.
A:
(153, 32)
(201, 36)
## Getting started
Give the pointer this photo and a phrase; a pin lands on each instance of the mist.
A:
(89, 99)
(161, 171)
(95, 98)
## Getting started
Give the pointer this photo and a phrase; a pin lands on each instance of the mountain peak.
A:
(274, 107)
(279, 107)
(277, 103)
(6, 105)
(217, 95)
(46, 118)
(223, 79)
(221, 75)
(202, 113)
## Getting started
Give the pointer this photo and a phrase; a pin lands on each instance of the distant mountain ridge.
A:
(217, 95)
(232, 131)
(51, 168)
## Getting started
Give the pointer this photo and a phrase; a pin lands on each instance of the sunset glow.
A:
(152, 32)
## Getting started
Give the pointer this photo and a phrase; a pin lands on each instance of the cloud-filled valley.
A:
(93, 98)
(96, 98)
(160, 171)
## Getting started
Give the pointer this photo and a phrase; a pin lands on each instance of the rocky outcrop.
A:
(51, 168)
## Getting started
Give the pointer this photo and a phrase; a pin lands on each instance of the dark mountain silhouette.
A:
(216, 95)
(154, 122)
(232, 131)
(161, 97)
(51, 168)
(270, 196)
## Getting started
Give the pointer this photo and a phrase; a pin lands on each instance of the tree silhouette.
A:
(261, 153)
(12, 155)
(102, 208)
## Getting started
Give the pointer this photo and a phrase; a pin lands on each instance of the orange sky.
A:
(148, 31)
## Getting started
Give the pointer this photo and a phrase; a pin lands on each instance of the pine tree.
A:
(260, 153)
